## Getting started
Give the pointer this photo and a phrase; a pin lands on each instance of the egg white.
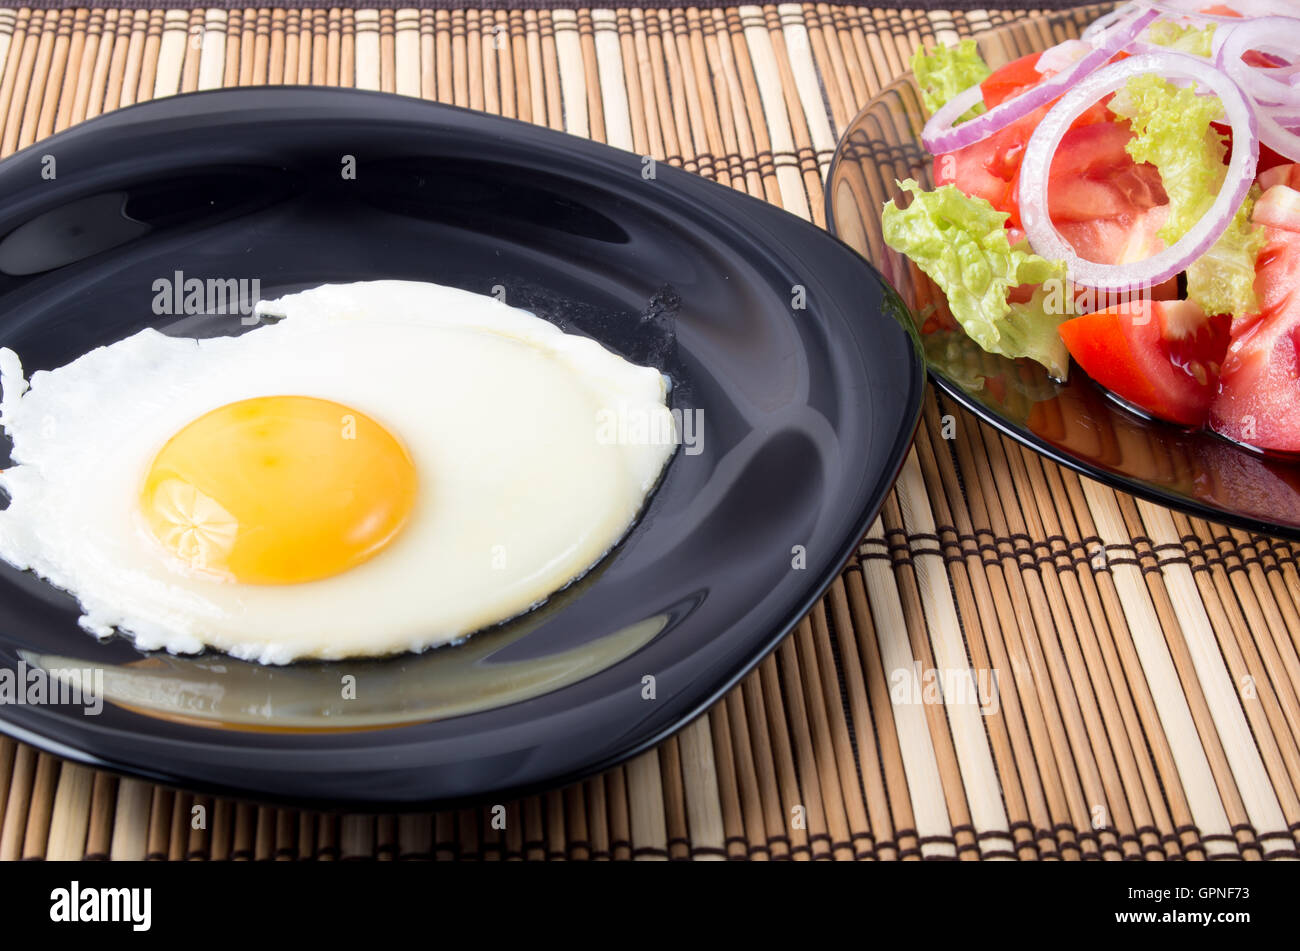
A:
(518, 494)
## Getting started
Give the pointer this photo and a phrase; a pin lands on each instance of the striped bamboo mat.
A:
(1149, 700)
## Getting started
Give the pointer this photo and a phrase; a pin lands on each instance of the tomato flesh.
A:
(1259, 399)
(1012, 79)
(1093, 176)
(1122, 239)
(990, 168)
(1288, 175)
(1162, 356)
(971, 170)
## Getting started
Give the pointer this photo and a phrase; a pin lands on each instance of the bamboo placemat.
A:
(1148, 664)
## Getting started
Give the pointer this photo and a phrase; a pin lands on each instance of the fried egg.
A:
(389, 466)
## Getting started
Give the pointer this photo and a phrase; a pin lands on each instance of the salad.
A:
(1127, 203)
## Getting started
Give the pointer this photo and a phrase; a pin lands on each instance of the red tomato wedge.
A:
(990, 168)
(1120, 240)
(1093, 176)
(1109, 208)
(972, 170)
(1268, 158)
(1162, 356)
(1288, 175)
(1259, 399)
(1022, 74)
(1012, 79)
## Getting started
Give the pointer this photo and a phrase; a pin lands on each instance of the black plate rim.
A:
(1032, 440)
(857, 529)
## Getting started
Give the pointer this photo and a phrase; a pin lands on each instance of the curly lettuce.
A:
(1172, 131)
(947, 70)
(1222, 280)
(961, 243)
(1198, 41)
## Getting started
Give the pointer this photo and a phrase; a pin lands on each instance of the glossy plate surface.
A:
(1074, 423)
(806, 413)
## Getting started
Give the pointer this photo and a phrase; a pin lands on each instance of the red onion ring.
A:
(1061, 56)
(1247, 8)
(1104, 23)
(1284, 115)
(1267, 34)
(1278, 136)
(1034, 175)
(1280, 63)
(1142, 46)
(940, 135)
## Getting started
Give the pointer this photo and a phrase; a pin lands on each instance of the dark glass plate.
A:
(807, 412)
(1075, 423)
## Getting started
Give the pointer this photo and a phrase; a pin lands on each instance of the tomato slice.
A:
(1122, 239)
(1162, 356)
(1021, 75)
(1269, 159)
(990, 168)
(1093, 176)
(1011, 80)
(1259, 399)
(971, 170)
(1288, 175)
(1109, 208)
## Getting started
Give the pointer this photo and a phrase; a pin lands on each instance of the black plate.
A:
(807, 414)
(1075, 423)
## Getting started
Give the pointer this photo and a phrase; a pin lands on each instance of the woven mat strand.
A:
(1148, 664)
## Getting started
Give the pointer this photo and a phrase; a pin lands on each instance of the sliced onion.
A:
(1221, 35)
(1104, 23)
(1062, 56)
(1267, 34)
(940, 135)
(1283, 115)
(951, 111)
(1247, 8)
(1142, 46)
(1034, 176)
(1264, 90)
(1277, 136)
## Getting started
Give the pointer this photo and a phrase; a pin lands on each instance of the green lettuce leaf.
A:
(961, 243)
(1171, 130)
(948, 70)
(1030, 330)
(1222, 280)
(1198, 41)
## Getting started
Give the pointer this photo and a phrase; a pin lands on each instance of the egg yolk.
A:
(279, 490)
